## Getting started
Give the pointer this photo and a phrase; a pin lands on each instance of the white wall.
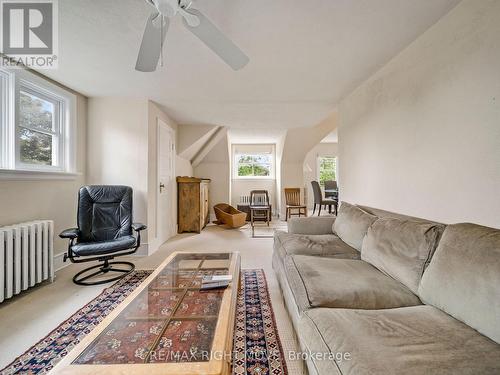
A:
(422, 136)
(297, 143)
(311, 162)
(118, 147)
(215, 166)
(122, 149)
(55, 199)
(243, 186)
(182, 168)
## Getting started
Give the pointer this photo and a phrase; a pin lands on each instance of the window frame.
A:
(64, 132)
(236, 164)
(57, 134)
(7, 82)
(318, 168)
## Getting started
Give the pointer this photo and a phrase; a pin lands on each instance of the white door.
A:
(165, 221)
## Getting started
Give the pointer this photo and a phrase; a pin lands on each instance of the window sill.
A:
(27, 175)
(254, 178)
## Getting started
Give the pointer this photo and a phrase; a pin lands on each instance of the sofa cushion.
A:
(343, 283)
(311, 225)
(463, 278)
(352, 224)
(412, 340)
(320, 245)
(401, 248)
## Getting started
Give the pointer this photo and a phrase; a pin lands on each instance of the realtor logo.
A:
(29, 33)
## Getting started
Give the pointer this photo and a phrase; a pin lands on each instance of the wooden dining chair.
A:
(329, 186)
(292, 201)
(260, 208)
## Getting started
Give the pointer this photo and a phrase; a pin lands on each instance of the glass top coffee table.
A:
(167, 325)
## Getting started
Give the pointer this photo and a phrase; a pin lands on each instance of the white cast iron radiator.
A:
(26, 256)
(245, 199)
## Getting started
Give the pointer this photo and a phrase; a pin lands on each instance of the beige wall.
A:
(422, 136)
(51, 199)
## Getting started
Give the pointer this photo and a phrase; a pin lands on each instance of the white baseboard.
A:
(142, 251)
(58, 262)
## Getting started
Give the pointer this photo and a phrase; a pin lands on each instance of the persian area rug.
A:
(257, 349)
(45, 354)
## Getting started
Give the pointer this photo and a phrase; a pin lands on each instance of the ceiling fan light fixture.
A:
(190, 18)
(167, 8)
(151, 50)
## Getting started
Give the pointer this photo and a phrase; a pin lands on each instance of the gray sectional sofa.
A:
(375, 292)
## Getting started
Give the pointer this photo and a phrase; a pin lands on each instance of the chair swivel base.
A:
(85, 278)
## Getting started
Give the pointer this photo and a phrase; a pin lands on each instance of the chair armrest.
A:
(138, 227)
(311, 225)
(71, 233)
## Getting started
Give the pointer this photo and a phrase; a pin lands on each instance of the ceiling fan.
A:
(151, 49)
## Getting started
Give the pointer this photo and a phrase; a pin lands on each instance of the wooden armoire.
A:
(193, 210)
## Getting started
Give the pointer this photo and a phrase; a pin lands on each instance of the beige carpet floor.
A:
(27, 318)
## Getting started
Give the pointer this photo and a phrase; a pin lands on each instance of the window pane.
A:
(245, 170)
(327, 167)
(262, 170)
(262, 159)
(245, 159)
(254, 165)
(35, 147)
(36, 112)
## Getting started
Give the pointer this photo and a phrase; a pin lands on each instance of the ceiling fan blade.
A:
(209, 34)
(152, 43)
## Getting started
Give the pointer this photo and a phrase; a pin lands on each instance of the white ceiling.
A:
(253, 136)
(305, 55)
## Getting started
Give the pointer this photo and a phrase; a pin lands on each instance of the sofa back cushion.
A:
(463, 278)
(401, 248)
(352, 224)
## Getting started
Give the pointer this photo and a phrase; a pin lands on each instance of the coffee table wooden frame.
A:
(222, 342)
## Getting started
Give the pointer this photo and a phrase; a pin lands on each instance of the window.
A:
(254, 165)
(253, 161)
(327, 169)
(38, 130)
(37, 124)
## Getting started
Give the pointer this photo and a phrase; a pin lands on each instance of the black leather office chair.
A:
(104, 232)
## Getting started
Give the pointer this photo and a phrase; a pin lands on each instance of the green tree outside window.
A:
(254, 165)
(327, 169)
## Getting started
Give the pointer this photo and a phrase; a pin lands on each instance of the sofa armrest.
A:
(71, 233)
(311, 225)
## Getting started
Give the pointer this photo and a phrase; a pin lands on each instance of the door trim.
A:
(162, 124)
